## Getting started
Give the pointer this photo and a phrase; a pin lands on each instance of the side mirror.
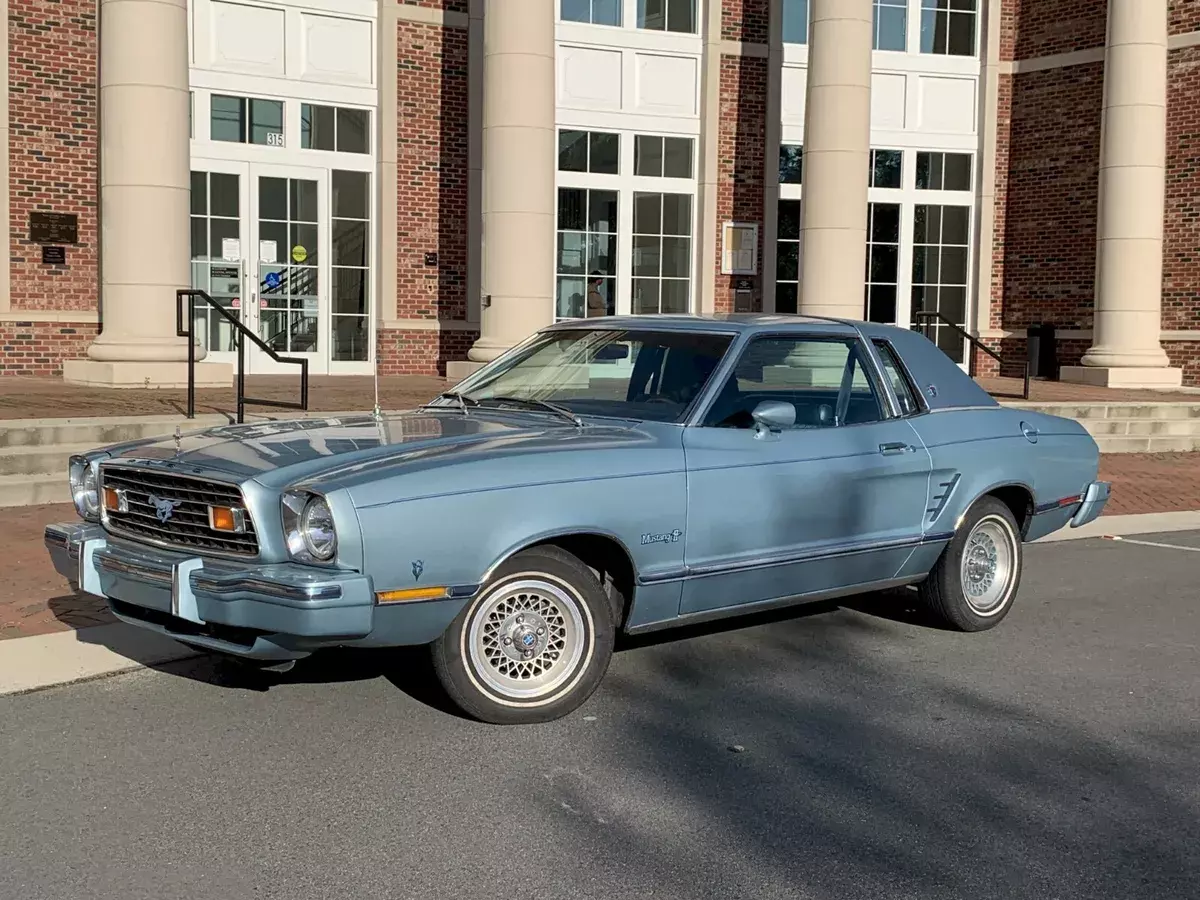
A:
(773, 415)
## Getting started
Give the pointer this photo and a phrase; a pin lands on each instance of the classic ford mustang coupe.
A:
(619, 475)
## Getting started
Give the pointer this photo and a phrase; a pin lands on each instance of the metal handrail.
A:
(194, 294)
(925, 316)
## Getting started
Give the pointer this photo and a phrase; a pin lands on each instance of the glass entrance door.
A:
(289, 240)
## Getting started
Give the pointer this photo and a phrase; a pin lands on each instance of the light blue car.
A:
(605, 476)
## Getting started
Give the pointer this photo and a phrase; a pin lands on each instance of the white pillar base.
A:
(145, 375)
(1158, 377)
(457, 370)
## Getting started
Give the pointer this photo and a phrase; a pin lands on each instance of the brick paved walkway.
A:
(25, 398)
(34, 600)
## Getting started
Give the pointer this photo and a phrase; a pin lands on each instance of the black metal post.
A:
(191, 339)
(304, 384)
(1025, 392)
(242, 363)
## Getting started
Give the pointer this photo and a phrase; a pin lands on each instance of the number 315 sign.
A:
(274, 139)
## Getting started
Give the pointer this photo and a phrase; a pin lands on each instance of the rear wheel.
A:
(533, 645)
(974, 582)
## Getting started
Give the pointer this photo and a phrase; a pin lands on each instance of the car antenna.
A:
(375, 377)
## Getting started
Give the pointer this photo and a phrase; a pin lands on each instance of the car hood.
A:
(281, 452)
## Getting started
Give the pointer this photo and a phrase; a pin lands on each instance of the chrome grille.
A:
(187, 528)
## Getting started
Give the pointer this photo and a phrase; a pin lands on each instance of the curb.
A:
(67, 657)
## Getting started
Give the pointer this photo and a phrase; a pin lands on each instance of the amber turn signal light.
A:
(224, 518)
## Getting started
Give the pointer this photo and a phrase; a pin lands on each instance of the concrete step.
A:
(1145, 444)
(39, 460)
(31, 490)
(1143, 427)
(1089, 411)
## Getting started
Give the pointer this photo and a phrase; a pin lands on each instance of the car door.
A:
(833, 501)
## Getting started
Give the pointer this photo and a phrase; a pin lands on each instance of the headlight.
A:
(84, 489)
(309, 528)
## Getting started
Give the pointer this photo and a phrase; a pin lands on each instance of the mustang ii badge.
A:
(163, 509)
(670, 538)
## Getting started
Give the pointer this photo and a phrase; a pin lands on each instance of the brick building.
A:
(358, 190)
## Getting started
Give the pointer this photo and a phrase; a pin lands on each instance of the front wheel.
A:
(533, 645)
(972, 586)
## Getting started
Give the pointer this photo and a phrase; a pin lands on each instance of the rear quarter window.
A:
(897, 376)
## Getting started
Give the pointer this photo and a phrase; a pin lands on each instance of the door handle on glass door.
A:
(896, 447)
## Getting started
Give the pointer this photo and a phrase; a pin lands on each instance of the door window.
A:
(824, 379)
(216, 254)
(288, 288)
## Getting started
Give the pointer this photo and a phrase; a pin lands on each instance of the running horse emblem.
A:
(163, 509)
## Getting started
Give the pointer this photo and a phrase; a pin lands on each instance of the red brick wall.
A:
(53, 149)
(1185, 355)
(741, 139)
(421, 352)
(1035, 28)
(39, 348)
(1047, 246)
(431, 152)
(744, 20)
(1181, 223)
(1184, 16)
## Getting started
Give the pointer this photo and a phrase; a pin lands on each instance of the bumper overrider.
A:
(266, 612)
(1092, 502)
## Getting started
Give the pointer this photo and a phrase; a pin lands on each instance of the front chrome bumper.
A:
(270, 612)
(1092, 503)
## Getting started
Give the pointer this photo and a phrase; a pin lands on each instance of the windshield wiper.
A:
(539, 404)
(462, 399)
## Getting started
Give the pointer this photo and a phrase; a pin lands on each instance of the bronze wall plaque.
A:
(53, 228)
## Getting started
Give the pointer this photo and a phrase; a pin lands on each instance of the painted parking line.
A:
(1125, 540)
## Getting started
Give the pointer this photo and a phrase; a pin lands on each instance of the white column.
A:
(519, 162)
(837, 147)
(1126, 350)
(144, 199)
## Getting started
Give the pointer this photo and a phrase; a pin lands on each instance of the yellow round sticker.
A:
(299, 254)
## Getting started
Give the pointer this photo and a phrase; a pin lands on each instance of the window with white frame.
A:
(662, 252)
(941, 250)
(592, 12)
(787, 257)
(667, 15)
(679, 16)
(918, 237)
(626, 223)
(335, 128)
(795, 21)
(889, 32)
(246, 120)
(943, 171)
(948, 27)
(791, 164)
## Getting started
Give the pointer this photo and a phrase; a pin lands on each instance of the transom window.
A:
(334, 128)
(651, 15)
(593, 12)
(948, 27)
(943, 171)
(598, 152)
(662, 157)
(246, 120)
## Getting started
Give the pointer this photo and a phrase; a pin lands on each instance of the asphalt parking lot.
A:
(836, 752)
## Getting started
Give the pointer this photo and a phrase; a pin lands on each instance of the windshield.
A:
(629, 374)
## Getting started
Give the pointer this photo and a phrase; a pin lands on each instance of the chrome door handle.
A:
(896, 447)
